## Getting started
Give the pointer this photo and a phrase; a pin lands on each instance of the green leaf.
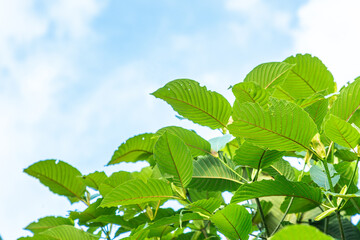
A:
(309, 76)
(300, 232)
(318, 175)
(137, 148)
(46, 223)
(265, 206)
(285, 127)
(348, 101)
(197, 145)
(174, 158)
(278, 187)
(92, 212)
(60, 177)
(298, 205)
(233, 221)
(196, 103)
(318, 111)
(341, 132)
(176, 219)
(281, 168)
(250, 92)
(66, 232)
(205, 206)
(94, 179)
(136, 191)
(268, 75)
(346, 155)
(212, 174)
(250, 155)
(116, 179)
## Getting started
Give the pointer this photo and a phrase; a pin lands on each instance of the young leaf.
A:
(341, 132)
(309, 76)
(136, 191)
(48, 222)
(196, 103)
(60, 177)
(300, 232)
(348, 102)
(270, 74)
(250, 155)
(285, 127)
(211, 174)
(233, 221)
(250, 92)
(174, 158)
(278, 187)
(137, 148)
(197, 145)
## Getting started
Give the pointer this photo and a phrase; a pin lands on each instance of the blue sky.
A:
(75, 76)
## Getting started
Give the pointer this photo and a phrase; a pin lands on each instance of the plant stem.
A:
(340, 225)
(326, 224)
(350, 182)
(262, 217)
(286, 212)
(328, 175)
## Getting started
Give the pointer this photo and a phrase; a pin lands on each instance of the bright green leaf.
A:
(137, 148)
(205, 206)
(234, 221)
(309, 76)
(174, 158)
(196, 103)
(281, 168)
(341, 132)
(348, 102)
(197, 145)
(285, 127)
(60, 177)
(300, 232)
(116, 179)
(48, 222)
(136, 191)
(212, 174)
(270, 74)
(250, 92)
(250, 155)
(66, 232)
(278, 187)
(94, 179)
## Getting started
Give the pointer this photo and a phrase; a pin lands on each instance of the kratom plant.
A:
(284, 111)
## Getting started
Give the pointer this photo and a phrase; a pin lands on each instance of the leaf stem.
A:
(340, 225)
(282, 219)
(262, 217)
(350, 182)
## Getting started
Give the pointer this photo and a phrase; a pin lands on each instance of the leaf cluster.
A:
(283, 112)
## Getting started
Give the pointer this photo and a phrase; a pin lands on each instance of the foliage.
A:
(283, 111)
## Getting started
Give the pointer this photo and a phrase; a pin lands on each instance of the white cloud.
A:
(38, 42)
(328, 29)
